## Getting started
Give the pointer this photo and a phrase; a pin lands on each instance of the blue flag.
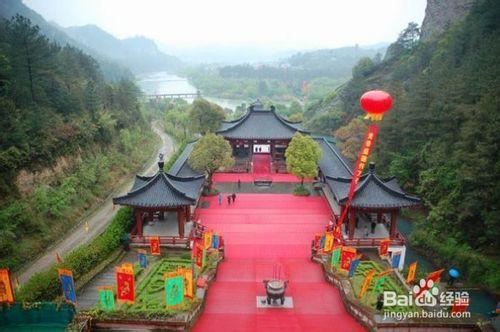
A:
(396, 257)
(352, 268)
(322, 241)
(143, 260)
(68, 287)
(215, 241)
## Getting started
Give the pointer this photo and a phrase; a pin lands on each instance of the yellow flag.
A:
(366, 283)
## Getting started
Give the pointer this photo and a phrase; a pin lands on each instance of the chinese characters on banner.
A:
(383, 249)
(336, 256)
(352, 268)
(143, 260)
(67, 284)
(125, 291)
(174, 288)
(154, 243)
(328, 242)
(347, 255)
(358, 169)
(106, 298)
(198, 253)
(366, 283)
(412, 270)
(207, 238)
(188, 281)
(6, 292)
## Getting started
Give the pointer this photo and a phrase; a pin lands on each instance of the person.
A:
(239, 184)
(234, 197)
(374, 224)
(228, 199)
(219, 198)
(380, 301)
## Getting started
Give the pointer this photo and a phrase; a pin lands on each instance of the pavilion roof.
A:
(260, 123)
(371, 191)
(181, 166)
(332, 162)
(162, 190)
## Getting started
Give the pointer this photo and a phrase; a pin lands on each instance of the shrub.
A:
(301, 190)
(44, 286)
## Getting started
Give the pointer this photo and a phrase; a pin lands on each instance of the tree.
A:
(211, 153)
(350, 137)
(302, 157)
(205, 116)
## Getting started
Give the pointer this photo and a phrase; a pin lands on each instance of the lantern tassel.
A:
(374, 117)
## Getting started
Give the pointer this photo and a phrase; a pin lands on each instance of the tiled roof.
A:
(162, 190)
(260, 123)
(371, 192)
(181, 166)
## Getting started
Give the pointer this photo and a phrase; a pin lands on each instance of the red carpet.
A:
(261, 163)
(261, 230)
(249, 177)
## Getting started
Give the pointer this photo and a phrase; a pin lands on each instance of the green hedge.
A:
(44, 286)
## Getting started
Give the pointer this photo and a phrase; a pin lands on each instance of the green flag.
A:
(336, 257)
(174, 290)
(204, 257)
(106, 299)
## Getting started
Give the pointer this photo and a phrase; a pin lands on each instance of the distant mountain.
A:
(336, 61)
(110, 69)
(140, 54)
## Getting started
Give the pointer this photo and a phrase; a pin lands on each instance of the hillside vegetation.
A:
(441, 137)
(58, 117)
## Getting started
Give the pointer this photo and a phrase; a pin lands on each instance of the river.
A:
(163, 82)
(480, 301)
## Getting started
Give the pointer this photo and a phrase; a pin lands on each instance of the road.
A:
(97, 220)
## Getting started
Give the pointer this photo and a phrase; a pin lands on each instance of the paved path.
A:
(98, 220)
(262, 231)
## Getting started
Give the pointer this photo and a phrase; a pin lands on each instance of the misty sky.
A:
(278, 24)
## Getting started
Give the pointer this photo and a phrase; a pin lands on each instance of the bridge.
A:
(186, 95)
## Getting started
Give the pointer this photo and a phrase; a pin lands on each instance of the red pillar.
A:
(138, 222)
(180, 221)
(352, 223)
(394, 221)
(188, 213)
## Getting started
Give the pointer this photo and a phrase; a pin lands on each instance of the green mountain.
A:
(111, 69)
(140, 54)
(441, 137)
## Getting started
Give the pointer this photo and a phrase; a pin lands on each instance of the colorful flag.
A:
(188, 281)
(143, 260)
(6, 292)
(383, 249)
(125, 292)
(395, 259)
(347, 255)
(207, 238)
(106, 298)
(328, 242)
(67, 284)
(366, 283)
(154, 243)
(352, 268)
(337, 232)
(317, 236)
(174, 288)
(336, 256)
(412, 270)
(435, 276)
(198, 254)
(215, 241)
(322, 241)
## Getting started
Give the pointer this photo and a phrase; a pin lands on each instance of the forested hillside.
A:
(441, 137)
(307, 75)
(65, 136)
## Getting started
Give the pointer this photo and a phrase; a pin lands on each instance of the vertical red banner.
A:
(383, 249)
(198, 254)
(125, 292)
(7, 295)
(347, 255)
(154, 243)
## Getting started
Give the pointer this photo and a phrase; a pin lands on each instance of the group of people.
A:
(230, 198)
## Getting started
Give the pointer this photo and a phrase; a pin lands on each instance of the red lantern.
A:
(375, 103)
